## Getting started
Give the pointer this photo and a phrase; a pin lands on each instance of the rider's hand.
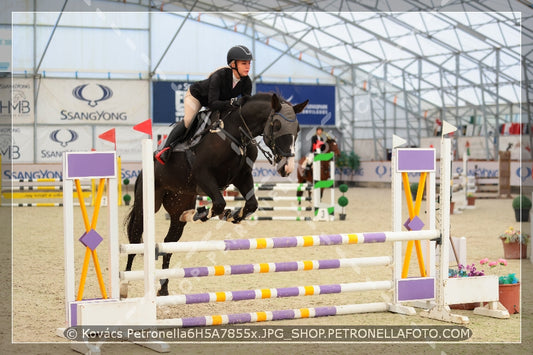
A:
(235, 101)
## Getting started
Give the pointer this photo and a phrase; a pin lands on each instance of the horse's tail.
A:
(134, 219)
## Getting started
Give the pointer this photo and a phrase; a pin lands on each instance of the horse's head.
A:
(281, 131)
(332, 146)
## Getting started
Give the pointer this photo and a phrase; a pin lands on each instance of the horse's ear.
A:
(276, 103)
(300, 107)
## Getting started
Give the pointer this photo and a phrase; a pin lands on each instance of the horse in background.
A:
(307, 175)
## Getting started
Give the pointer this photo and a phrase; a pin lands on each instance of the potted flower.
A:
(508, 285)
(127, 199)
(521, 206)
(514, 243)
(470, 199)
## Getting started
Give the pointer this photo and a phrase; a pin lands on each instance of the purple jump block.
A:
(90, 165)
(416, 289)
(415, 224)
(415, 160)
(91, 239)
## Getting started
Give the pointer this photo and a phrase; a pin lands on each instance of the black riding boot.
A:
(174, 137)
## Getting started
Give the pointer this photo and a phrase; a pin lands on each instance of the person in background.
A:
(219, 92)
(317, 142)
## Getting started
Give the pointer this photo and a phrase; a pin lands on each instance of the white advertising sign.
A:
(16, 144)
(53, 141)
(16, 101)
(102, 102)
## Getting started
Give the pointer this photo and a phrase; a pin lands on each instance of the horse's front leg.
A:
(246, 188)
(203, 214)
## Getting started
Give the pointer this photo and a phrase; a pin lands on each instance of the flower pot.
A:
(514, 250)
(464, 306)
(510, 297)
(342, 216)
(471, 200)
(521, 215)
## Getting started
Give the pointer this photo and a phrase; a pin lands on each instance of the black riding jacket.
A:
(216, 91)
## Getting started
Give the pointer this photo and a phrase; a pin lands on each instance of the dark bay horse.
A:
(307, 176)
(225, 155)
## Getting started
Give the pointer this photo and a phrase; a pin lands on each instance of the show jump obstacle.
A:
(433, 288)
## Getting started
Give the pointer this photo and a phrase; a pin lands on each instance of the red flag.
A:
(145, 127)
(109, 136)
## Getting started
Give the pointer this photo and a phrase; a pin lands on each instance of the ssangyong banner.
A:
(16, 101)
(102, 102)
(321, 108)
(53, 141)
(167, 98)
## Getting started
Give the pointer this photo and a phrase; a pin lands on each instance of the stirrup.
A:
(158, 155)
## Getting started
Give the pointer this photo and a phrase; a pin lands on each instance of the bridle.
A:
(271, 134)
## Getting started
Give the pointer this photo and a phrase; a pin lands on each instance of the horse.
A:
(307, 175)
(224, 155)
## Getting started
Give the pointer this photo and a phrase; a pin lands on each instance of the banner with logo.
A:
(102, 102)
(53, 141)
(16, 144)
(321, 108)
(16, 101)
(167, 98)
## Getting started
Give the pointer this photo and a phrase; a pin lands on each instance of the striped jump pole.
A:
(265, 293)
(260, 268)
(255, 317)
(284, 242)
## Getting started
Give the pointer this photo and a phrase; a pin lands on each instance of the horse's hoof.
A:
(124, 290)
(162, 292)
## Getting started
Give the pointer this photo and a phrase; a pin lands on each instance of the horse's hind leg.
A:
(174, 205)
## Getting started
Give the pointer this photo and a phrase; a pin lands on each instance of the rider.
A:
(317, 142)
(218, 92)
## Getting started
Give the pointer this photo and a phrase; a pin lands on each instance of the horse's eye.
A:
(276, 125)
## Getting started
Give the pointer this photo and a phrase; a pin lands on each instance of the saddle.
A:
(202, 123)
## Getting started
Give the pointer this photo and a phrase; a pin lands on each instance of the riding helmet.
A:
(239, 53)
